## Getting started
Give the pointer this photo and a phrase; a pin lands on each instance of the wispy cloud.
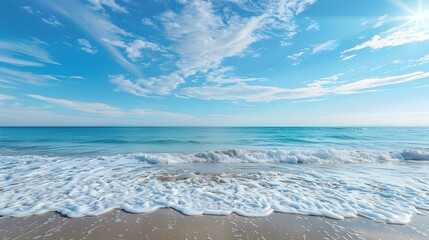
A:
(90, 107)
(322, 87)
(31, 49)
(134, 49)
(52, 20)
(203, 39)
(345, 58)
(96, 25)
(86, 46)
(315, 49)
(313, 25)
(161, 85)
(6, 97)
(13, 77)
(380, 21)
(296, 58)
(191, 29)
(112, 4)
(378, 82)
(71, 77)
(148, 22)
(395, 38)
(224, 76)
(18, 62)
(102, 108)
(28, 9)
(326, 46)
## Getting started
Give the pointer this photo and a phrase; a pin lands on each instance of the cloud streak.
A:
(393, 39)
(326, 46)
(258, 93)
(89, 107)
(6, 97)
(101, 108)
(16, 49)
(96, 25)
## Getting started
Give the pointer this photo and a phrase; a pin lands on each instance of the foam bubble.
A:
(86, 186)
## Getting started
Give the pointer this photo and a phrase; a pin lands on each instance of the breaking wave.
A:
(317, 156)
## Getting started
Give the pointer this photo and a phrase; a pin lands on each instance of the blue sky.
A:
(236, 62)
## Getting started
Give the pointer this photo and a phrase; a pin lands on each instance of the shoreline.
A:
(167, 223)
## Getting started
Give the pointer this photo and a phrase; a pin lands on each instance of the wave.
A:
(77, 187)
(316, 156)
(281, 156)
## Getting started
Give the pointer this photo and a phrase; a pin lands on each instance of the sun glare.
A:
(420, 18)
(416, 15)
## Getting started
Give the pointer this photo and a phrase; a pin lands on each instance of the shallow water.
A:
(377, 173)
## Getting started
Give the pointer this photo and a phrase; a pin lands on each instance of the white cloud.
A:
(326, 46)
(409, 63)
(28, 9)
(52, 20)
(296, 58)
(223, 75)
(250, 93)
(12, 77)
(96, 25)
(71, 77)
(90, 107)
(203, 39)
(133, 49)
(395, 38)
(98, 5)
(86, 46)
(423, 60)
(161, 85)
(422, 86)
(345, 58)
(18, 62)
(201, 34)
(380, 21)
(6, 97)
(150, 23)
(322, 87)
(29, 49)
(105, 109)
(378, 82)
(313, 25)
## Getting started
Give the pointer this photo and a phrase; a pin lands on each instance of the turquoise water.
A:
(377, 173)
(93, 141)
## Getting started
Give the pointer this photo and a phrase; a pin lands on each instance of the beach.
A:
(170, 224)
(214, 183)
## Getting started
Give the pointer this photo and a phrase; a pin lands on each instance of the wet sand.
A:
(170, 224)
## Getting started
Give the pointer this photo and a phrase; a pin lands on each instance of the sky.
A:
(214, 63)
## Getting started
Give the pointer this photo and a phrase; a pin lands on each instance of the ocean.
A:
(378, 173)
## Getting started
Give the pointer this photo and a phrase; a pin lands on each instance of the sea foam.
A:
(301, 156)
(334, 183)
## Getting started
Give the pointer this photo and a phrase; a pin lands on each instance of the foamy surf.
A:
(298, 156)
(335, 183)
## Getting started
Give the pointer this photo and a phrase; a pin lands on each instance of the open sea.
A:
(377, 173)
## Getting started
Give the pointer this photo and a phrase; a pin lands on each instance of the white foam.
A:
(305, 156)
(87, 186)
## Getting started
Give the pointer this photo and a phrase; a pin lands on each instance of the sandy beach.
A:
(170, 224)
